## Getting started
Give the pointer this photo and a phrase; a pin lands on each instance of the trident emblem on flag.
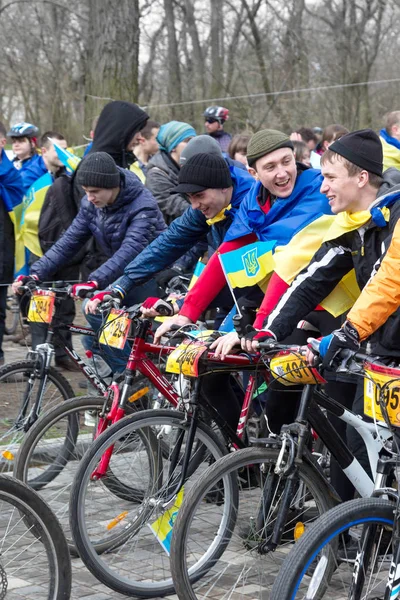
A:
(250, 262)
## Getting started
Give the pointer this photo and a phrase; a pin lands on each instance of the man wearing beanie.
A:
(367, 203)
(285, 198)
(218, 193)
(120, 214)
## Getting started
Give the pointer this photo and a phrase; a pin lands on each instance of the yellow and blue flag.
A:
(11, 194)
(162, 527)
(32, 205)
(196, 273)
(249, 265)
(68, 159)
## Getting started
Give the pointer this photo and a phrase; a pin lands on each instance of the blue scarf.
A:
(389, 139)
(287, 216)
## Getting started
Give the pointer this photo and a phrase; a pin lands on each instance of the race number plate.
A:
(116, 329)
(382, 386)
(185, 358)
(41, 307)
(291, 369)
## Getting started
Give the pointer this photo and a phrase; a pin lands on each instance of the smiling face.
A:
(277, 172)
(211, 201)
(343, 191)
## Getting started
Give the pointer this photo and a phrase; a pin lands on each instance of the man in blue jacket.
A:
(226, 187)
(119, 213)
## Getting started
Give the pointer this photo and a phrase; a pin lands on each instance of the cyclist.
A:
(215, 117)
(118, 212)
(368, 205)
(24, 137)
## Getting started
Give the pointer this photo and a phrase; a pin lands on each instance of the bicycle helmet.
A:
(22, 130)
(219, 113)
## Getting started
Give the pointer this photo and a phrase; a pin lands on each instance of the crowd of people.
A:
(148, 200)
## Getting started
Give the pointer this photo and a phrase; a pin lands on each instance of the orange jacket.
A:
(381, 296)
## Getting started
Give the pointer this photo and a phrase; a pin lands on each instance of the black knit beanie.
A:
(98, 170)
(203, 172)
(362, 148)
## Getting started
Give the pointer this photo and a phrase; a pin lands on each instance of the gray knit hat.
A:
(265, 141)
(201, 144)
(98, 170)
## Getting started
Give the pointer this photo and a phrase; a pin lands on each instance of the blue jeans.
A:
(114, 357)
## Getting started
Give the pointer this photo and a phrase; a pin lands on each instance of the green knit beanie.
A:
(265, 141)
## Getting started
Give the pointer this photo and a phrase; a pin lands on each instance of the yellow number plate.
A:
(115, 330)
(41, 307)
(382, 385)
(291, 369)
(185, 358)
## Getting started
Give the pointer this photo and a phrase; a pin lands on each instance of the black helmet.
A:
(218, 113)
(22, 130)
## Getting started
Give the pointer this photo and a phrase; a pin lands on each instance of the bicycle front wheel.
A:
(326, 561)
(221, 540)
(20, 390)
(34, 558)
(136, 533)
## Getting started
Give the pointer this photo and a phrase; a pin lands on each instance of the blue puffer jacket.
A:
(183, 234)
(121, 230)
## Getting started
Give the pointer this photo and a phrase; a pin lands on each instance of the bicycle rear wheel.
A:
(322, 564)
(136, 534)
(19, 389)
(220, 547)
(34, 554)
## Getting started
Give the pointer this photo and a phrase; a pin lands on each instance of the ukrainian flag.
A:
(11, 194)
(162, 527)
(68, 159)
(32, 205)
(196, 273)
(253, 264)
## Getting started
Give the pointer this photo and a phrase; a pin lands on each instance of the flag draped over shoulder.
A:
(32, 205)
(249, 265)
(287, 216)
(11, 193)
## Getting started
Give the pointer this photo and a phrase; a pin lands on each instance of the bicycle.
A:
(252, 531)
(34, 553)
(354, 548)
(34, 385)
(139, 533)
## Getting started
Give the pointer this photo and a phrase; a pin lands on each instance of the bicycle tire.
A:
(189, 562)
(302, 560)
(12, 322)
(30, 519)
(13, 386)
(136, 577)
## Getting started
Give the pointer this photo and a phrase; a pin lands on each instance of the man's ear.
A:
(363, 179)
(253, 173)
(3, 142)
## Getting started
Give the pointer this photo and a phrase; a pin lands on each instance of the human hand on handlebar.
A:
(92, 305)
(225, 344)
(250, 342)
(22, 280)
(154, 307)
(332, 345)
(179, 320)
(80, 290)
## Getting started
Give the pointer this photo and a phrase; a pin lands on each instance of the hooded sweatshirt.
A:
(117, 124)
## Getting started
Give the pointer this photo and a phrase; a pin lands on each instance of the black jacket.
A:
(117, 124)
(361, 249)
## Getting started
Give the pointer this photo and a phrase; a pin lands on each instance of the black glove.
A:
(331, 346)
(165, 277)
